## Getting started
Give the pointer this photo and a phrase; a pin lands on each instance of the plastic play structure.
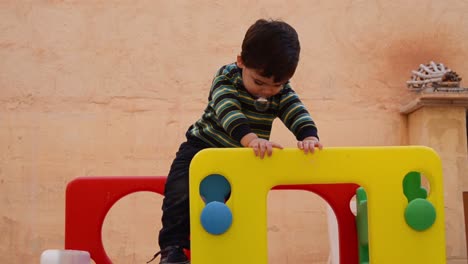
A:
(403, 227)
(397, 220)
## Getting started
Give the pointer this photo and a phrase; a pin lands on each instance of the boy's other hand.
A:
(262, 146)
(309, 144)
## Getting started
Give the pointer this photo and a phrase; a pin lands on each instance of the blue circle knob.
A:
(216, 218)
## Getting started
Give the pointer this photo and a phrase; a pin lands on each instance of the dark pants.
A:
(176, 214)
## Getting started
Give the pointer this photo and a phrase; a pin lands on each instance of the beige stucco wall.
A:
(109, 88)
(444, 129)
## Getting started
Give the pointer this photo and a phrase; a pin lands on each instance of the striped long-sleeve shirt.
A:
(231, 113)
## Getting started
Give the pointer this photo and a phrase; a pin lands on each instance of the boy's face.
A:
(258, 85)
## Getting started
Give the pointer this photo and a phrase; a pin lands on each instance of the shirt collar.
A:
(237, 80)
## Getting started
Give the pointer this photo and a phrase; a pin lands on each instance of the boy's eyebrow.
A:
(275, 84)
(258, 80)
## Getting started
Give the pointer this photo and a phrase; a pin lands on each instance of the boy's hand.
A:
(309, 144)
(262, 146)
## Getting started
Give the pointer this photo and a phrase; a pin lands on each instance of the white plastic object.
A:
(59, 256)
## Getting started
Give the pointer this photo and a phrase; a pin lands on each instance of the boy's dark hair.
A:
(272, 47)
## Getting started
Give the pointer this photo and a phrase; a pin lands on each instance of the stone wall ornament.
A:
(434, 77)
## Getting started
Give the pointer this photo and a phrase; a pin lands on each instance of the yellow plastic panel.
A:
(380, 170)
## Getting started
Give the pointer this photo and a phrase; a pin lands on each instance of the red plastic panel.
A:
(88, 199)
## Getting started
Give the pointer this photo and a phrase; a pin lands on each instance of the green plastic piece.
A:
(361, 195)
(361, 216)
(362, 225)
(412, 186)
(420, 214)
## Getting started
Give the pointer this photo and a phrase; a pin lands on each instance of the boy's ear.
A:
(240, 63)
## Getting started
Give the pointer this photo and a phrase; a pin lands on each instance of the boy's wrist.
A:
(308, 131)
(245, 141)
(311, 138)
(240, 131)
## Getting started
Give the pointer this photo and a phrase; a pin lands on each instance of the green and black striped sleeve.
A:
(224, 98)
(295, 116)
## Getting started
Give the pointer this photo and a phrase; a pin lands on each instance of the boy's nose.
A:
(267, 93)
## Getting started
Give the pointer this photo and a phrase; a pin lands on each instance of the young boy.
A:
(244, 99)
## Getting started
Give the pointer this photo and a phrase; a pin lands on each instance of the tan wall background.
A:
(109, 88)
(444, 129)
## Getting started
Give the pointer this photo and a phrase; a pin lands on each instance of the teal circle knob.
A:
(420, 214)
